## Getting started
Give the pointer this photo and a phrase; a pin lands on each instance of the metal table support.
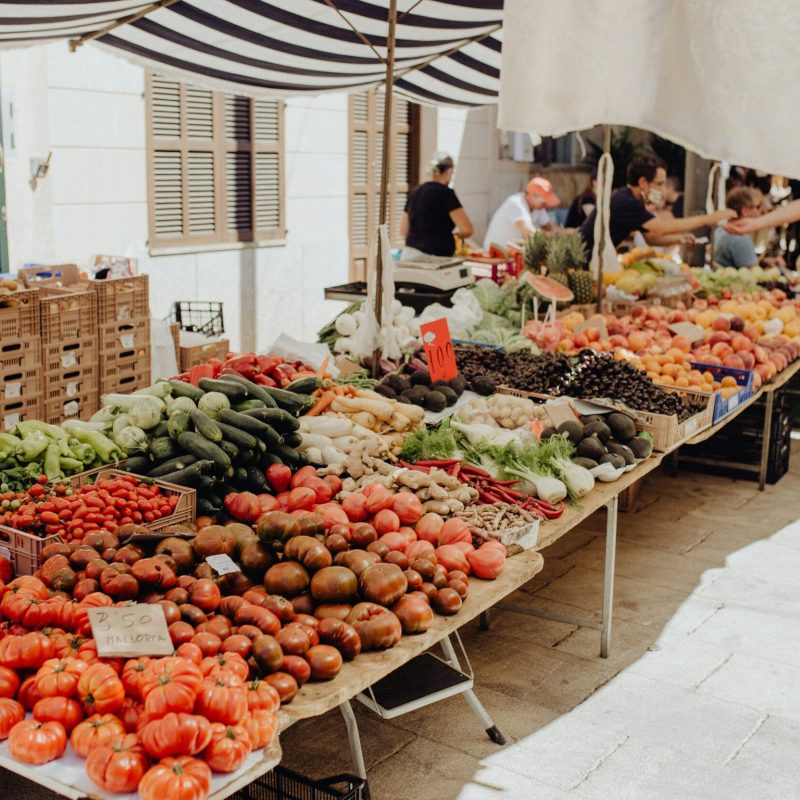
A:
(604, 625)
(762, 472)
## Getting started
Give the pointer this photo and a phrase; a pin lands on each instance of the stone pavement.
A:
(699, 698)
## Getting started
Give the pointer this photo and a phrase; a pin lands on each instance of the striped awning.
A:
(447, 51)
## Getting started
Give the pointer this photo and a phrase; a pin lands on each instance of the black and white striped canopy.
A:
(447, 51)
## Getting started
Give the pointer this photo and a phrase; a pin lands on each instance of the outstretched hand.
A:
(740, 226)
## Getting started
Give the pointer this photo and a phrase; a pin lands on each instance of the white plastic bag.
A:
(313, 354)
(465, 315)
(163, 361)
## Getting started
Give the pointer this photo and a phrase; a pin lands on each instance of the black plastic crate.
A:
(199, 316)
(283, 784)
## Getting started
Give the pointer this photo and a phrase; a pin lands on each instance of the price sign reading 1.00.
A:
(439, 351)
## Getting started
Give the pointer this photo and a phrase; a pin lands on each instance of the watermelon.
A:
(548, 290)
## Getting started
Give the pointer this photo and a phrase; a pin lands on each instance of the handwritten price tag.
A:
(222, 564)
(439, 351)
(137, 630)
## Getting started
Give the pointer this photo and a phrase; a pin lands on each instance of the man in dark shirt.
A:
(432, 212)
(646, 178)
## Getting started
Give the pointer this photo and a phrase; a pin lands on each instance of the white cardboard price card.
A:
(222, 564)
(131, 631)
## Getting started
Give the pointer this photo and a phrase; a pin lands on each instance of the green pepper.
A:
(33, 444)
(9, 442)
(52, 467)
(69, 465)
(31, 425)
(105, 449)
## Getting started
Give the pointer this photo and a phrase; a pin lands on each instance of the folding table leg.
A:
(354, 739)
(608, 575)
(766, 436)
(480, 712)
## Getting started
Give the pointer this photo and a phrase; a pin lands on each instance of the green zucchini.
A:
(206, 426)
(295, 404)
(160, 430)
(172, 465)
(190, 475)
(251, 425)
(247, 456)
(242, 439)
(138, 465)
(253, 390)
(235, 392)
(267, 459)
(230, 448)
(199, 446)
(293, 439)
(183, 389)
(249, 405)
(163, 447)
(279, 419)
(177, 424)
(287, 455)
(240, 477)
(305, 385)
(214, 498)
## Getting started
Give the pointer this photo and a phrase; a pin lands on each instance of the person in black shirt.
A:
(583, 204)
(432, 212)
(646, 178)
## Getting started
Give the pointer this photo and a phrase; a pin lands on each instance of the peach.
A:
(682, 343)
(760, 353)
(592, 334)
(582, 341)
(617, 340)
(740, 342)
(719, 336)
(721, 324)
(748, 359)
(637, 340)
(682, 380)
(667, 380)
(712, 360)
(733, 361)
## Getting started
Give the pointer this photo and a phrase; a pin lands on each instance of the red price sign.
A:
(439, 351)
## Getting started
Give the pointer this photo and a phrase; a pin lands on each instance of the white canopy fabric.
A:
(447, 51)
(719, 78)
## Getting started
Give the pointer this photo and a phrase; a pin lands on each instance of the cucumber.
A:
(247, 457)
(295, 404)
(214, 498)
(183, 389)
(199, 446)
(249, 405)
(139, 465)
(251, 425)
(242, 439)
(287, 455)
(253, 390)
(279, 419)
(160, 430)
(240, 477)
(163, 447)
(305, 385)
(178, 424)
(206, 426)
(172, 465)
(235, 392)
(190, 475)
(293, 439)
(258, 481)
(267, 459)
(230, 448)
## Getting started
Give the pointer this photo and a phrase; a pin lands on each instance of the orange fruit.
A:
(728, 380)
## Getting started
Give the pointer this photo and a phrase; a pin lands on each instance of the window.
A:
(215, 166)
(366, 145)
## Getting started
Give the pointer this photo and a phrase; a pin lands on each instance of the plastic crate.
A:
(24, 548)
(202, 353)
(69, 355)
(81, 405)
(199, 316)
(20, 369)
(123, 373)
(121, 299)
(667, 430)
(66, 313)
(125, 338)
(284, 784)
(18, 409)
(21, 320)
(725, 405)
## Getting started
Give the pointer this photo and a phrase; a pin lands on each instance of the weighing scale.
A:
(438, 272)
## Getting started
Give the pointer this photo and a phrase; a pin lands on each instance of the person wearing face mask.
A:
(736, 249)
(646, 183)
(431, 214)
(522, 213)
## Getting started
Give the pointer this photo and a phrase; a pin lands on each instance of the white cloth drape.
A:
(608, 255)
(717, 77)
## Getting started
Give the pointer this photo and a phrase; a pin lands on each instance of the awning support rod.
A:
(356, 31)
(74, 44)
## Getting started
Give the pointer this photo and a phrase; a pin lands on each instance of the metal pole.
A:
(385, 166)
(74, 44)
(602, 244)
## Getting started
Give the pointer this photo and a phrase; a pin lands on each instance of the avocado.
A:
(449, 394)
(622, 427)
(435, 401)
(586, 463)
(599, 429)
(420, 376)
(547, 433)
(641, 447)
(386, 390)
(573, 429)
(621, 450)
(591, 447)
(437, 384)
(589, 418)
(397, 382)
(618, 462)
(458, 384)
(413, 396)
(483, 385)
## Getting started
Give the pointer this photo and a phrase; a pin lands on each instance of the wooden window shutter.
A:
(215, 166)
(365, 154)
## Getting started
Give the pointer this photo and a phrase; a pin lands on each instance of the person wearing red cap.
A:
(522, 213)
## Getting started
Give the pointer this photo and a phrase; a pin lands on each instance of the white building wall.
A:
(88, 109)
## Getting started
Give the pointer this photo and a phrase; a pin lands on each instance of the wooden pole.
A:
(385, 167)
(602, 242)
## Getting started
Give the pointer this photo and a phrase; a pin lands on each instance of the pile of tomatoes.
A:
(159, 725)
(47, 509)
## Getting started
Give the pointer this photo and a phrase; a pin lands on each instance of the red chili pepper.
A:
(263, 380)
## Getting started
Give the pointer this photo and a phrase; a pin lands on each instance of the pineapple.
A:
(557, 257)
(535, 251)
(576, 250)
(581, 283)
